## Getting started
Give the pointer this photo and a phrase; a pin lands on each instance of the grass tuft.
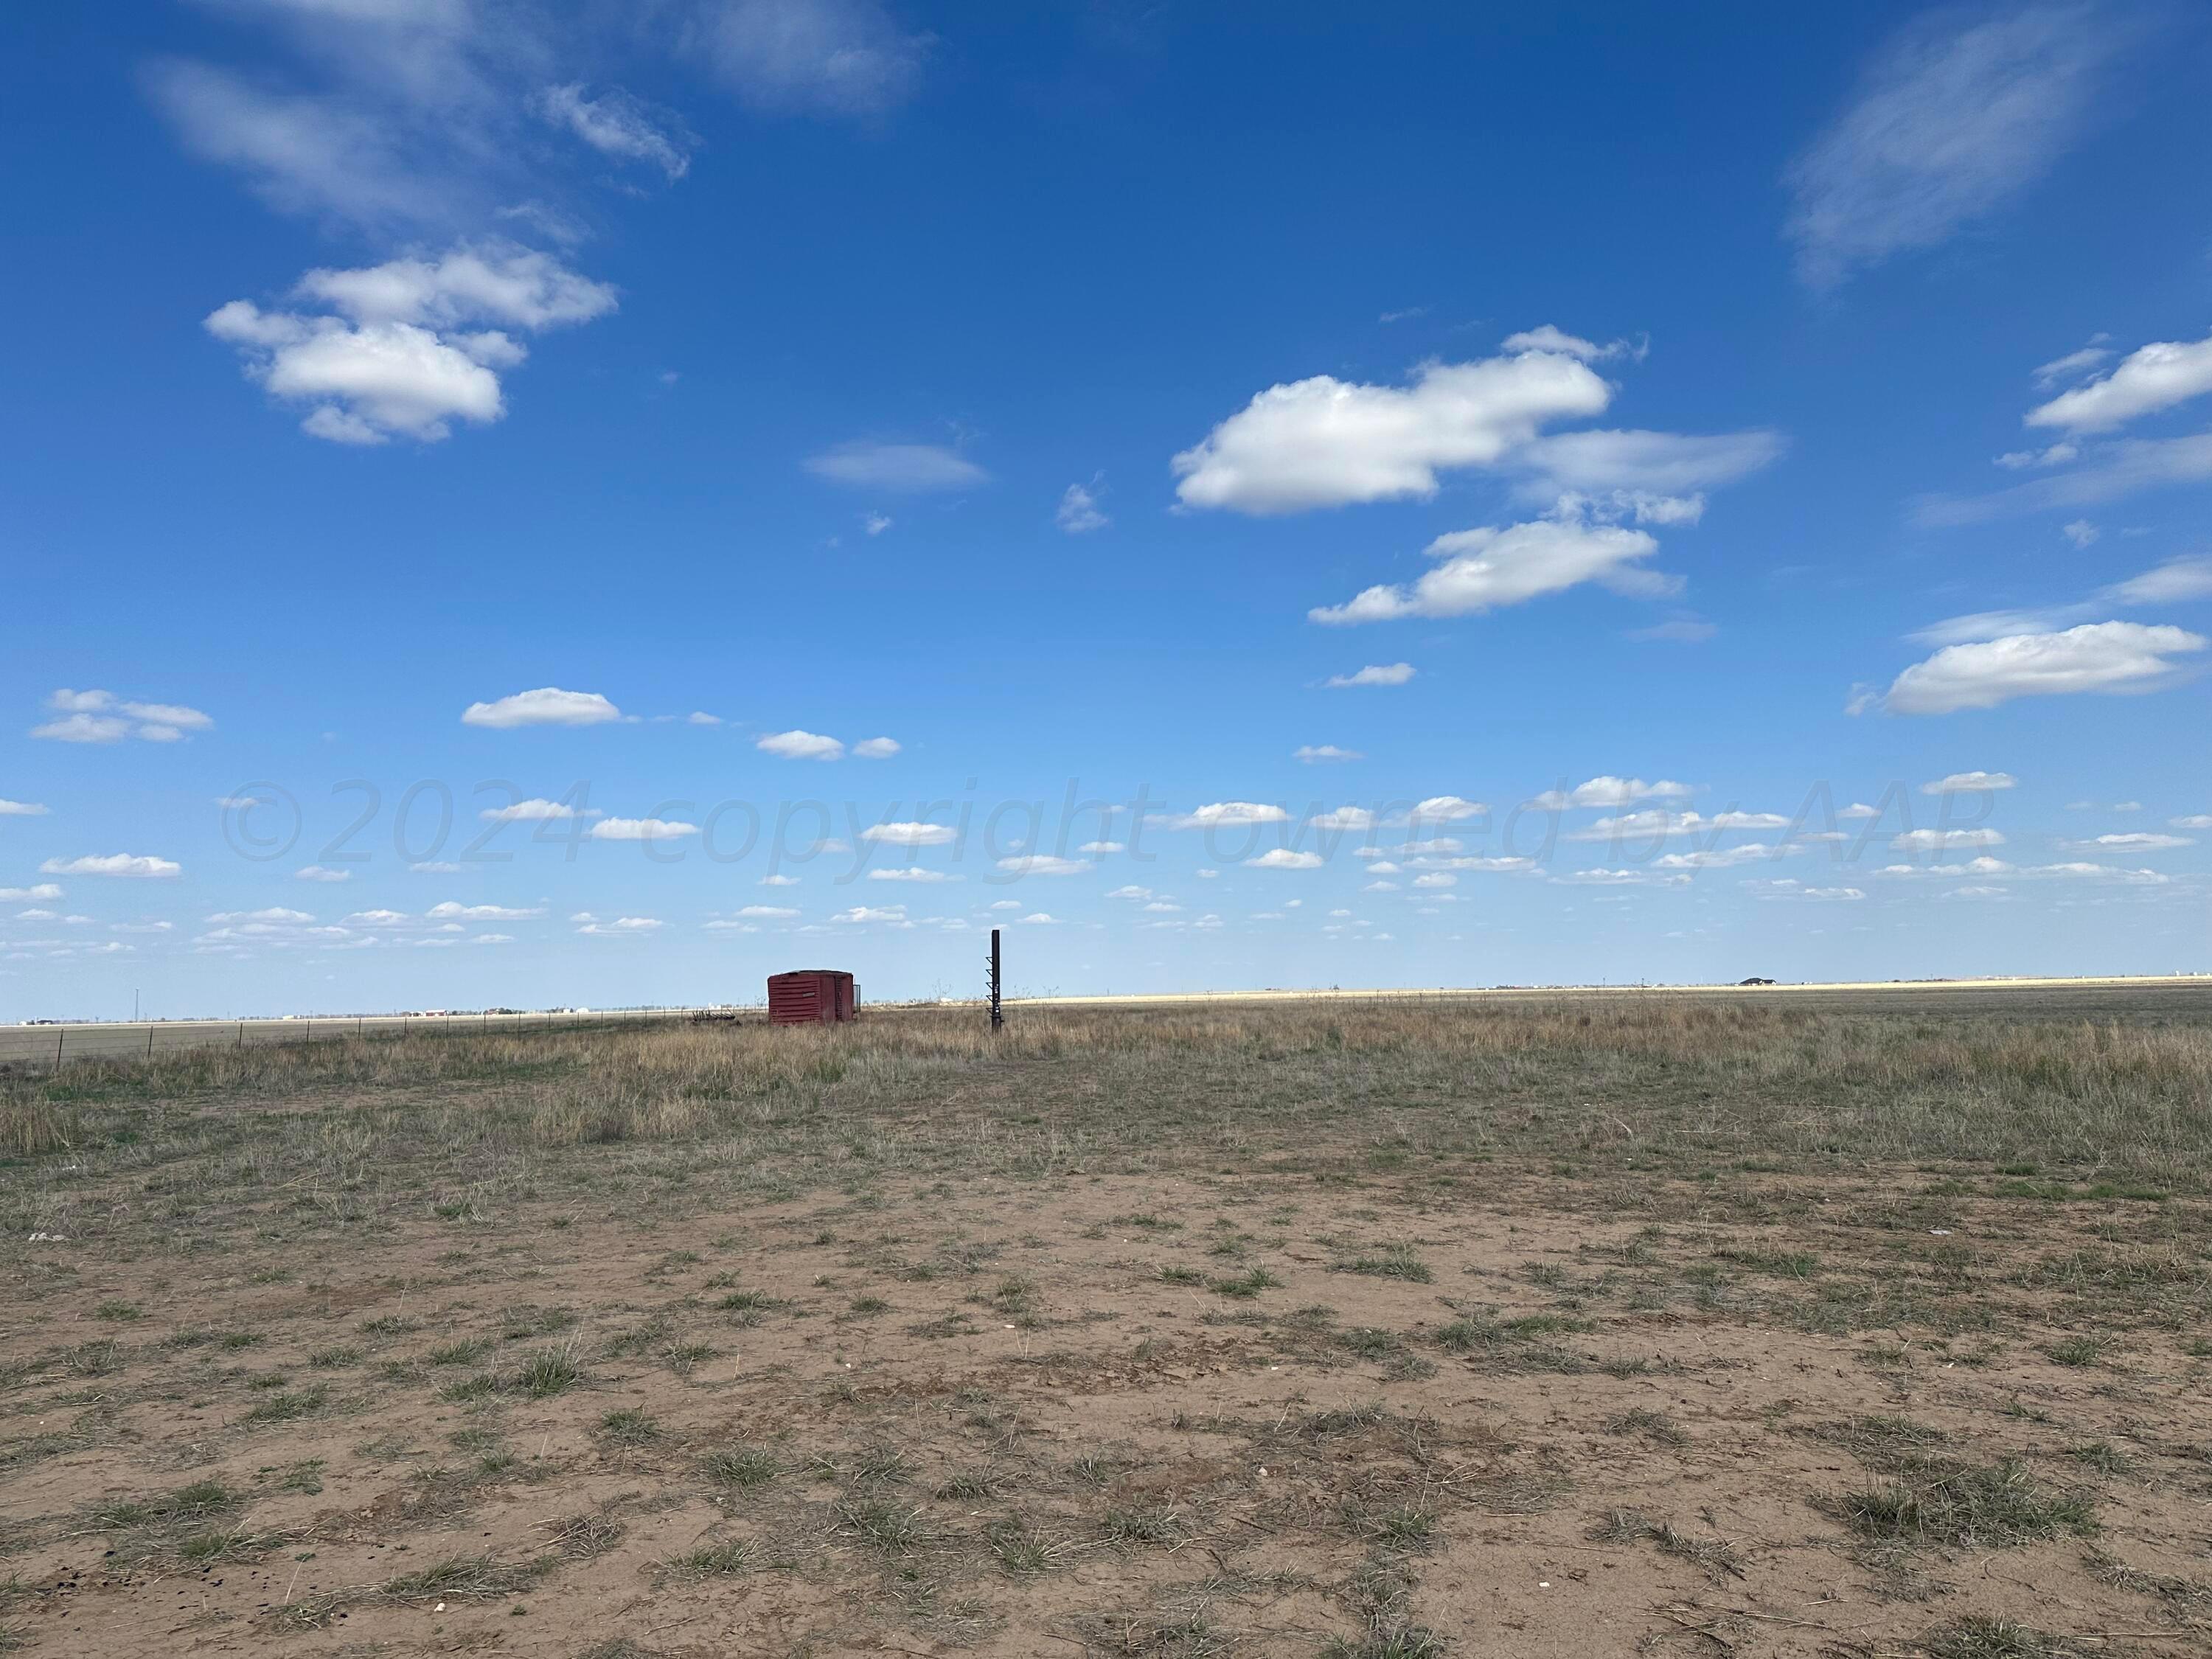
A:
(1944, 1501)
(1387, 1261)
(741, 1467)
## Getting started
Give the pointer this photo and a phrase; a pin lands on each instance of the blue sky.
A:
(1480, 498)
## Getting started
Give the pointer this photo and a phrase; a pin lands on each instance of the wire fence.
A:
(57, 1045)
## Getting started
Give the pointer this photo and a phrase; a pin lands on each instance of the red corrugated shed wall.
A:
(810, 996)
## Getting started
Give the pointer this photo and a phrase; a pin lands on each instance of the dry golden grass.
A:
(1659, 1078)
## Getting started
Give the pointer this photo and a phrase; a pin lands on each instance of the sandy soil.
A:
(1062, 1417)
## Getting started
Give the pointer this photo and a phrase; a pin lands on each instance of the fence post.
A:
(998, 1019)
(58, 1035)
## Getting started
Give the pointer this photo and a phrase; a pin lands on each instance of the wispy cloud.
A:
(617, 124)
(2175, 581)
(1956, 117)
(2109, 471)
(103, 717)
(1394, 673)
(911, 468)
(1079, 512)
(847, 58)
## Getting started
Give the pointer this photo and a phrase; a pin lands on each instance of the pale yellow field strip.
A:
(2148, 981)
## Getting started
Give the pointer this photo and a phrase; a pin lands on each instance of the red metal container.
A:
(811, 996)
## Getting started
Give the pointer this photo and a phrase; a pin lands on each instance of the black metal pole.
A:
(998, 1018)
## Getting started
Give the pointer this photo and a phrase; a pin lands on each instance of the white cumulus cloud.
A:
(1932, 841)
(1788, 887)
(546, 706)
(1482, 569)
(1607, 790)
(1343, 818)
(399, 350)
(2151, 378)
(624, 925)
(800, 745)
(1228, 814)
(1326, 443)
(909, 835)
(1960, 782)
(112, 864)
(533, 810)
(1394, 673)
(1445, 809)
(863, 913)
(641, 830)
(1719, 858)
(2096, 657)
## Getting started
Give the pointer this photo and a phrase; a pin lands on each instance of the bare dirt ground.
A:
(1316, 1381)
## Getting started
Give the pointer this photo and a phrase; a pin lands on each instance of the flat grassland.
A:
(1847, 1326)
